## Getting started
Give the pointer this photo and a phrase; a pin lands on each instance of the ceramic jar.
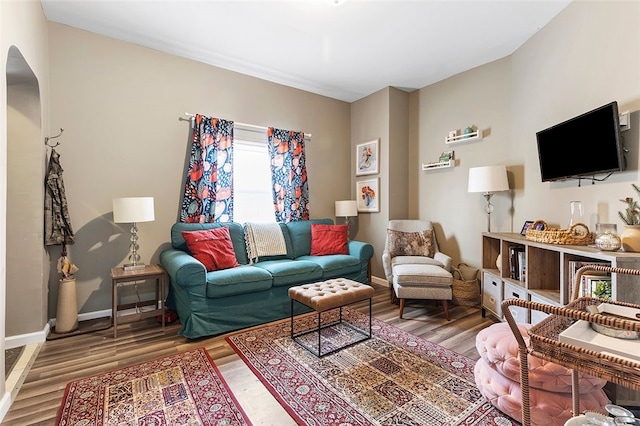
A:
(630, 238)
(606, 237)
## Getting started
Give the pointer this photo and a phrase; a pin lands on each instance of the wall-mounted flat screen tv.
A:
(583, 146)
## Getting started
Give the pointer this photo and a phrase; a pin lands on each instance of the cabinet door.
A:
(537, 316)
(521, 315)
(492, 293)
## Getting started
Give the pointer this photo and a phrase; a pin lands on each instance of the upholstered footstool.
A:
(497, 375)
(422, 281)
(324, 296)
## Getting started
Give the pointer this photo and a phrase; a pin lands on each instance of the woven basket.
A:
(578, 234)
(465, 292)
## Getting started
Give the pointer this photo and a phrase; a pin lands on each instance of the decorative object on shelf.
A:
(577, 216)
(607, 238)
(368, 195)
(527, 224)
(346, 209)
(488, 179)
(367, 158)
(446, 156)
(630, 238)
(133, 210)
(631, 215)
(578, 234)
(445, 161)
(463, 137)
(499, 263)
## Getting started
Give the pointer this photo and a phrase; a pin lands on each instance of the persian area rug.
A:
(180, 389)
(395, 378)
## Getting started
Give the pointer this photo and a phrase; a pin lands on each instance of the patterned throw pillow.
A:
(411, 243)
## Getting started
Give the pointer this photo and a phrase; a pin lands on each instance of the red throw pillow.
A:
(212, 247)
(328, 239)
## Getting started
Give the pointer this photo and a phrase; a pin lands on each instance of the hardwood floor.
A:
(61, 361)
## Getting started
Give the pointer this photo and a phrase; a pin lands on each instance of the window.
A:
(253, 197)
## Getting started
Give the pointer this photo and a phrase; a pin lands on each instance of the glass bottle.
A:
(576, 213)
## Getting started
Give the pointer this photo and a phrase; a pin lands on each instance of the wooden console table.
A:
(544, 342)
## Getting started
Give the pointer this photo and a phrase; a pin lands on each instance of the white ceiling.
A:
(343, 49)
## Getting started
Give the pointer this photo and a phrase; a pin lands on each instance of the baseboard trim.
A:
(27, 338)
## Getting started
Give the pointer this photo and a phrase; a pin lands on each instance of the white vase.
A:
(630, 238)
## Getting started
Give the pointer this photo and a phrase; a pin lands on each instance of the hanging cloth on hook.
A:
(57, 224)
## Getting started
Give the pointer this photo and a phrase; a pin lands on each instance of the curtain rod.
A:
(307, 136)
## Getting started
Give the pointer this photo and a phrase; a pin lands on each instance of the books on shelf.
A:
(590, 280)
(517, 263)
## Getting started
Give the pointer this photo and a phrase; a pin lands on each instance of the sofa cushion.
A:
(286, 272)
(328, 239)
(300, 234)
(335, 265)
(410, 243)
(212, 247)
(240, 280)
(236, 231)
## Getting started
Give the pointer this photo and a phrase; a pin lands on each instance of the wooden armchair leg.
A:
(445, 305)
(401, 307)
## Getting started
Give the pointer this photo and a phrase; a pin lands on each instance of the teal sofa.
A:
(211, 303)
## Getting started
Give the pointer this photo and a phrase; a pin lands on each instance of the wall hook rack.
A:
(48, 138)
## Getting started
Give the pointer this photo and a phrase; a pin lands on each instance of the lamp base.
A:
(132, 267)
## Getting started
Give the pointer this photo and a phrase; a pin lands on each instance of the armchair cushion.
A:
(411, 243)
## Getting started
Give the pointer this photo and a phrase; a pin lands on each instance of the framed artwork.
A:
(368, 195)
(528, 224)
(367, 158)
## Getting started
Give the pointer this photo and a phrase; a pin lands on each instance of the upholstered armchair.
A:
(413, 264)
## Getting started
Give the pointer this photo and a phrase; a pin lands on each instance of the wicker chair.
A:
(413, 275)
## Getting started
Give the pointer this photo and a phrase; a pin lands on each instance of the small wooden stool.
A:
(324, 296)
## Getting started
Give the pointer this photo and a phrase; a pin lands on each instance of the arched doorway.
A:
(26, 284)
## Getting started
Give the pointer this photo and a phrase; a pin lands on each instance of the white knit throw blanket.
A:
(263, 239)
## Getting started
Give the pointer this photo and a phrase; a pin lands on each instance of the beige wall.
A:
(119, 104)
(23, 26)
(586, 57)
(369, 121)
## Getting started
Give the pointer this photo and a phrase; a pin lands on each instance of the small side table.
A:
(121, 277)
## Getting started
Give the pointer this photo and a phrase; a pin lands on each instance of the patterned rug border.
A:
(234, 404)
(379, 326)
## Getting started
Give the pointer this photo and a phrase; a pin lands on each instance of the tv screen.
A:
(582, 146)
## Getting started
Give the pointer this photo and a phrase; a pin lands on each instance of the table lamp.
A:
(488, 179)
(346, 209)
(133, 210)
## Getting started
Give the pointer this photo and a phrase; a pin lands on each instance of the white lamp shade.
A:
(346, 208)
(133, 209)
(488, 179)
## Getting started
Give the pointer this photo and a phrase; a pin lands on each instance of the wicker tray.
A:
(544, 343)
(578, 234)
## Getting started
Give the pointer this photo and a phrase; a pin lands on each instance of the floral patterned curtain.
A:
(288, 175)
(208, 193)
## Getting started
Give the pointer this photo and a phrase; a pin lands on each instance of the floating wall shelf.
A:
(466, 138)
(439, 165)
